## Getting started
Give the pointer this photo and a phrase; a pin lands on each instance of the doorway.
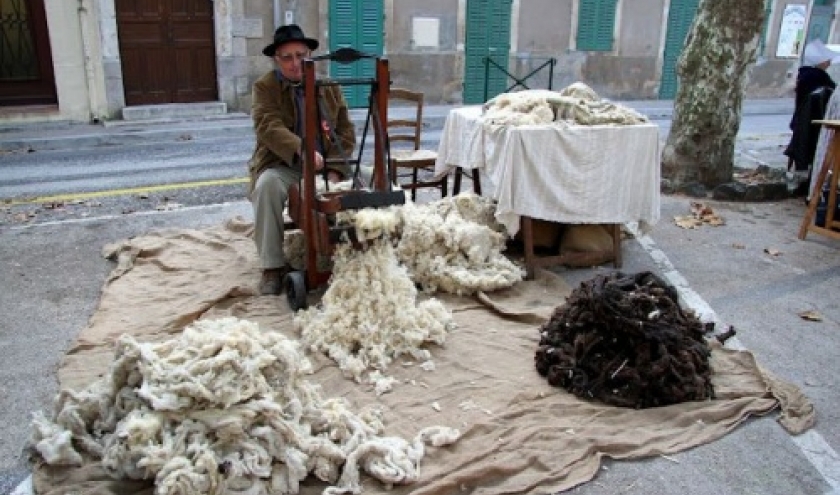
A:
(26, 65)
(167, 51)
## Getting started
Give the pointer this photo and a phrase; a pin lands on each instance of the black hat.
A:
(285, 34)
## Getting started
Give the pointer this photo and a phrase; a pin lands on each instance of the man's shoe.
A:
(272, 280)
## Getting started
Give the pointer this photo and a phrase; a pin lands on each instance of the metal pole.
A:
(551, 73)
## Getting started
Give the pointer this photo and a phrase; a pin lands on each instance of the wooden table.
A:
(569, 174)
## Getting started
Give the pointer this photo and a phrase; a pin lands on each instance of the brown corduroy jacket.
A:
(274, 114)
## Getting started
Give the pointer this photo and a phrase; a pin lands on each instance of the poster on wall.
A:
(792, 31)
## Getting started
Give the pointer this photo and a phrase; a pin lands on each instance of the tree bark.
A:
(712, 72)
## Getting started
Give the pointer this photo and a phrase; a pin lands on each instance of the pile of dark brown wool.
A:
(625, 340)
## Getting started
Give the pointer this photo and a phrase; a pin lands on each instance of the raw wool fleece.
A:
(224, 408)
(574, 104)
(369, 314)
(452, 245)
(455, 245)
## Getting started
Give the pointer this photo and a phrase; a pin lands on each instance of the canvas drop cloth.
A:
(558, 172)
(520, 435)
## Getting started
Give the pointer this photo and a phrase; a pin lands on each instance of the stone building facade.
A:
(102, 53)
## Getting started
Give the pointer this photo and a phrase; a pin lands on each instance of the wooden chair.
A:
(410, 166)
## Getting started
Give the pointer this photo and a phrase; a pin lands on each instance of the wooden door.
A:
(26, 67)
(167, 50)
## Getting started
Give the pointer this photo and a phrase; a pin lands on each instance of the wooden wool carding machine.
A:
(314, 212)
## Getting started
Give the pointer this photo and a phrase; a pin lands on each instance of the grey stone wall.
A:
(543, 29)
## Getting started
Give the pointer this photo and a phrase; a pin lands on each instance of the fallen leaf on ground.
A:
(737, 245)
(700, 209)
(700, 214)
(772, 251)
(687, 222)
(810, 316)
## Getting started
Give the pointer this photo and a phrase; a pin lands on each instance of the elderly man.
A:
(278, 113)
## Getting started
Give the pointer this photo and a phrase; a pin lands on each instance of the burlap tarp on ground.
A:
(520, 435)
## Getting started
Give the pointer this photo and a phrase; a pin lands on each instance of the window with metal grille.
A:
(18, 60)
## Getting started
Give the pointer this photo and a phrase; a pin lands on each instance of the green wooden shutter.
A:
(487, 35)
(680, 17)
(761, 40)
(596, 24)
(357, 25)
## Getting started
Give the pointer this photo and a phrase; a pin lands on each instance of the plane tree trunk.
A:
(712, 71)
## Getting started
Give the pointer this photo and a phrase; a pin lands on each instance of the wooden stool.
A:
(831, 163)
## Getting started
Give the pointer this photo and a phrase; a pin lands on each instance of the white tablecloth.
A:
(558, 172)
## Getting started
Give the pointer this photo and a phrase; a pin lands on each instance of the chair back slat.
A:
(399, 126)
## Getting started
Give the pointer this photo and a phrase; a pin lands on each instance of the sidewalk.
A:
(63, 135)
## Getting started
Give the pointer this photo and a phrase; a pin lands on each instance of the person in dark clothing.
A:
(809, 79)
(814, 87)
(277, 162)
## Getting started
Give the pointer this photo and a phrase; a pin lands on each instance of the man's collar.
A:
(285, 82)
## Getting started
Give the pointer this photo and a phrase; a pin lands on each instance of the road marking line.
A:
(24, 488)
(821, 455)
(813, 446)
(182, 209)
(125, 191)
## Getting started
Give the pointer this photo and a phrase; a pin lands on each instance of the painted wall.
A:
(771, 76)
(414, 61)
(401, 27)
(641, 23)
(539, 36)
(541, 29)
(64, 26)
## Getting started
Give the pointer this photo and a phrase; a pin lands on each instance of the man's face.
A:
(289, 59)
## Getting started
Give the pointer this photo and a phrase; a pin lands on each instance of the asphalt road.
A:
(185, 170)
(52, 271)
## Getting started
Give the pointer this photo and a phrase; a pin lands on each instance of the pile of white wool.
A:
(370, 314)
(574, 104)
(223, 408)
(455, 245)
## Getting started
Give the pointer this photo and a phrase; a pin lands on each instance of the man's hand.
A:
(332, 176)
